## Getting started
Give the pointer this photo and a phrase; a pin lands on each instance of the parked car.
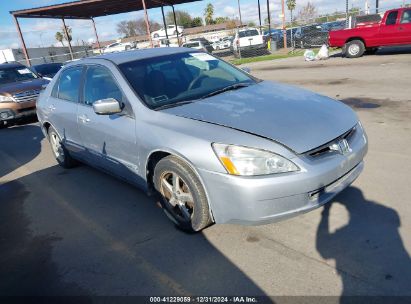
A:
(311, 35)
(19, 90)
(215, 143)
(248, 39)
(393, 30)
(172, 30)
(199, 44)
(222, 44)
(119, 47)
(46, 70)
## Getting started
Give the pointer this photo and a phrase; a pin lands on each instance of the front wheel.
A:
(354, 49)
(183, 197)
(61, 154)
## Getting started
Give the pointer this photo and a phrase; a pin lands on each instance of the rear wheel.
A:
(354, 49)
(61, 154)
(156, 35)
(182, 195)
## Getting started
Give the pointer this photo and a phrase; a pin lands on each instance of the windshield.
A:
(175, 78)
(47, 69)
(15, 74)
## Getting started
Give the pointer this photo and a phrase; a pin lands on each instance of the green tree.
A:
(197, 21)
(220, 20)
(208, 14)
(251, 24)
(183, 18)
(291, 7)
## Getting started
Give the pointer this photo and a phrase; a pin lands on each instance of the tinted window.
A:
(248, 33)
(406, 17)
(392, 18)
(15, 74)
(173, 78)
(192, 45)
(47, 69)
(100, 84)
(69, 84)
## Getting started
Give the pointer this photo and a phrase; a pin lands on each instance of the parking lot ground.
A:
(82, 232)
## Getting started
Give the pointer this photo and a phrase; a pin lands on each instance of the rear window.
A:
(392, 18)
(406, 17)
(248, 33)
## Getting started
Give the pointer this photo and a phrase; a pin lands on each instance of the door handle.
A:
(84, 118)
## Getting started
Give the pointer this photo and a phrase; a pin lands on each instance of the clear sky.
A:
(40, 32)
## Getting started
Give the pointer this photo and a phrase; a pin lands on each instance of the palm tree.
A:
(59, 37)
(291, 6)
(208, 14)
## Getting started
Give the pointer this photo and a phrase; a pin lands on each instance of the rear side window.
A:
(248, 33)
(392, 18)
(69, 84)
(406, 17)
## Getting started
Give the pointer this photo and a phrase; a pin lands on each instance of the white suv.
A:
(248, 39)
(171, 31)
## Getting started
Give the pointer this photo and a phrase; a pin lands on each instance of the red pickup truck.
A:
(393, 29)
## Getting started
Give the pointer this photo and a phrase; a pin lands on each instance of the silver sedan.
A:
(216, 144)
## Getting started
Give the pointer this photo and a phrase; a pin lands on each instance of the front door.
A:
(110, 140)
(389, 33)
(405, 27)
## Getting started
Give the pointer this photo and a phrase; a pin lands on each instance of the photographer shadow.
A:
(368, 251)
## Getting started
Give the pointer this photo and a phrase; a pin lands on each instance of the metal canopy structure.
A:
(90, 9)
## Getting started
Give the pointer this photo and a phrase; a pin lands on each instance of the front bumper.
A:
(17, 112)
(265, 199)
(253, 47)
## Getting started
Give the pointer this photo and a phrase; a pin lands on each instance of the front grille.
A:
(326, 148)
(26, 96)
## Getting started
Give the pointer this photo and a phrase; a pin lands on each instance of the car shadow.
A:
(23, 142)
(82, 232)
(368, 246)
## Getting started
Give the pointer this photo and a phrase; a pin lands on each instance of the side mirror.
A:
(106, 106)
(246, 69)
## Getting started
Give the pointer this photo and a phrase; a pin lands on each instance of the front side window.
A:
(406, 17)
(100, 84)
(171, 79)
(69, 84)
(392, 18)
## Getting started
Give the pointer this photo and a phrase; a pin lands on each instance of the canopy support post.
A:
(147, 23)
(165, 25)
(175, 23)
(23, 44)
(269, 19)
(259, 14)
(68, 38)
(95, 33)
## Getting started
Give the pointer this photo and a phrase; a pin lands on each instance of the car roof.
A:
(11, 65)
(132, 55)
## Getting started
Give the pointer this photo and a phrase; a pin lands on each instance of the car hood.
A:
(296, 118)
(22, 86)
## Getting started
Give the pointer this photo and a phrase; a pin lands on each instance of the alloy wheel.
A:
(177, 195)
(56, 147)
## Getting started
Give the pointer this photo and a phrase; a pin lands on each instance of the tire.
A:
(60, 153)
(128, 47)
(186, 205)
(354, 49)
(156, 35)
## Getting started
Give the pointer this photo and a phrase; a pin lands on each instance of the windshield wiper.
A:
(172, 105)
(232, 87)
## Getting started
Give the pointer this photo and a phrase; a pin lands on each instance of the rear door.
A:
(405, 27)
(110, 140)
(62, 107)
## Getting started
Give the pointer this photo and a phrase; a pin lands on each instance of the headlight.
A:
(238, 160)
(6, 98)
